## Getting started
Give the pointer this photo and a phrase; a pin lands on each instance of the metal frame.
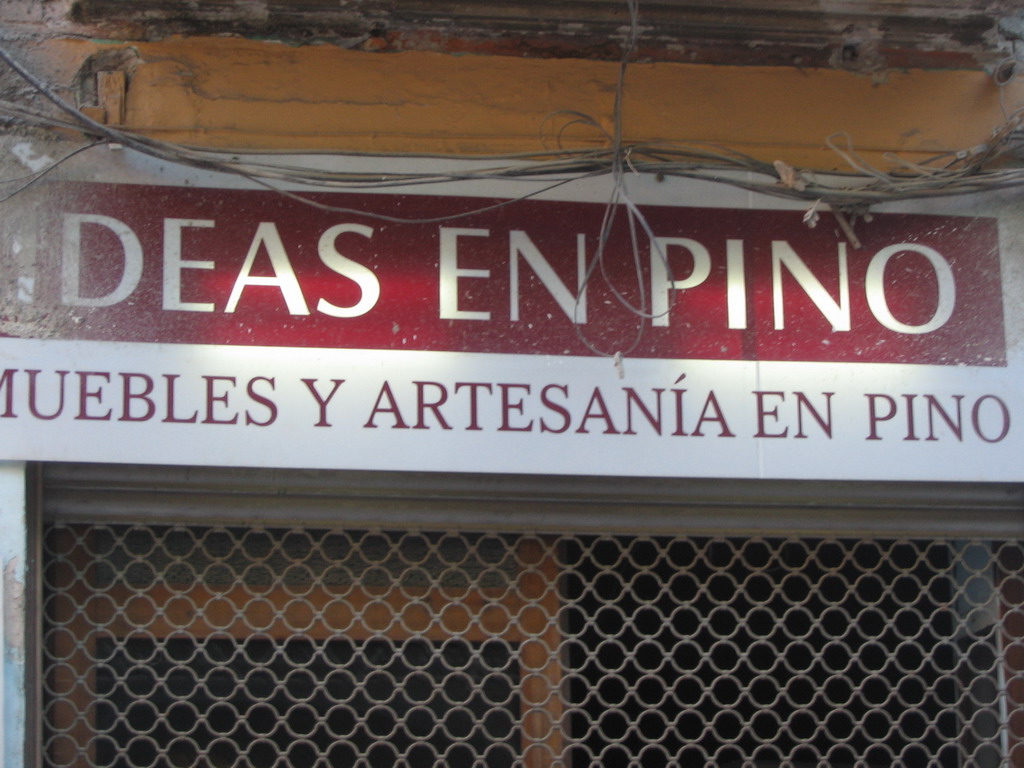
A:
(94, 493)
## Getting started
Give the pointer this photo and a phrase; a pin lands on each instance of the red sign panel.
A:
(208, 266)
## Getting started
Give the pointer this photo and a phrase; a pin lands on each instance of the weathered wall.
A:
(859, 35)
(230, 92)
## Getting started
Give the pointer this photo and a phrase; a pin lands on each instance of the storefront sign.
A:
(183, 325)
(157, 264)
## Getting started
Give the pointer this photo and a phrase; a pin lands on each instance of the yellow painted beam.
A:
(230, 92)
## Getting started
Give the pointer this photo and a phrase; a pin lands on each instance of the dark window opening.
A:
(227, 702)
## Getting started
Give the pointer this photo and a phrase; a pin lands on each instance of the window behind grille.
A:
(252, 700)
(230, 645)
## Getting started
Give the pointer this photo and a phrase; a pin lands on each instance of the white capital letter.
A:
(450, 274)
(836, 312)
(874, 287)
(72, 257)
(736, 290)
(661, 285)
(173, 264)
(284, 276)
(369, 285)
(520, 244)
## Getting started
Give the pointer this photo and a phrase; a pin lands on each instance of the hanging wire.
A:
(619, 200)
(612, 207)
(28, 180)
(952, 173)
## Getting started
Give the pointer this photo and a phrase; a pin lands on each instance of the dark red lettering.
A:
(873, 415)
(825, 422)
(32, 396)
(266, 402)
(763, 413)
(553, 406)
(385, 392)
(596, 409)
(85, 395)
(212, 399)
(171, 378)
(934, 407)
(711, 404)
(473, 386)
(322, 401)
(128, 397)
(632, 398)
(422, 406)
(507, 406)
(976, 419)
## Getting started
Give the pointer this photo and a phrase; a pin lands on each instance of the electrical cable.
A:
(617, 199)
(863, 185)
(32, 178)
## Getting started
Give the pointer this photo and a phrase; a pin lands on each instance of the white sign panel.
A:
(174, 325)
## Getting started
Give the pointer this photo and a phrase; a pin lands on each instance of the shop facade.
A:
(567, 468)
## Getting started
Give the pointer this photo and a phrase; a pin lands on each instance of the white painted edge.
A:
(13, 553)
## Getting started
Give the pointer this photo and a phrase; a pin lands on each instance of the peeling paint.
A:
(1012, 27)
(14, 609)
(13, 540)
(26, 289)
(919, 33)
(26, 155)
(860, 50)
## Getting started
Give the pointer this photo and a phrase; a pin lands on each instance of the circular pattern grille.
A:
(259, 647)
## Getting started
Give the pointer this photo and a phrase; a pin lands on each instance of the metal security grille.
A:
(271, 647)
